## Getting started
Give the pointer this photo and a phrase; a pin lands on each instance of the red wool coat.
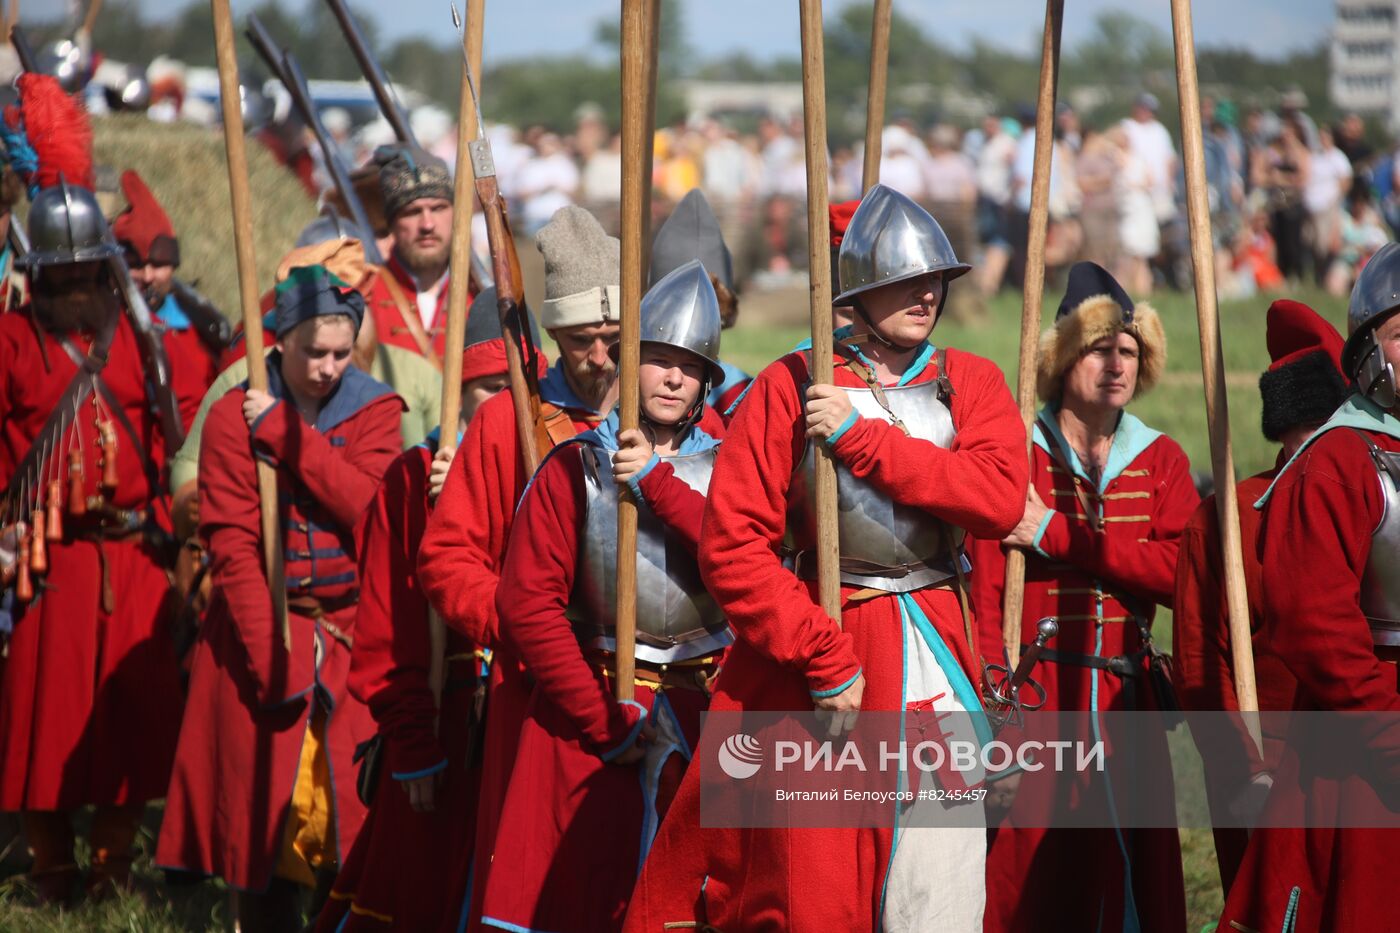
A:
(90, 700)
(389, 323)
(459, 565)
(570, 835)
(1314, 544)
(407, 870)
(809, 879)
(1204, 669)
(250, 699)
(193, 369)
(1081, 577)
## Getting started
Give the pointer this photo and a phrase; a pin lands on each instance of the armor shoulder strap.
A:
(1385, 462)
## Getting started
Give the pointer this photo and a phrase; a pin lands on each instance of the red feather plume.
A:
(58, 129)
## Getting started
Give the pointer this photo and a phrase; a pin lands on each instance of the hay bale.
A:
(184, 166)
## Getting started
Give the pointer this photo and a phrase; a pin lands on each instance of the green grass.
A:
(770, 326)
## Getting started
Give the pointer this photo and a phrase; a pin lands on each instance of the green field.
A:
(770, 326)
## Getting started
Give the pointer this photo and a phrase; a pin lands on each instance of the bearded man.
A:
(408, 298)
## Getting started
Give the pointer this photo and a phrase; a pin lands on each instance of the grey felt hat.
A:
(581, 270)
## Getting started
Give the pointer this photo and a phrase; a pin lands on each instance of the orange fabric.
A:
(308, 842)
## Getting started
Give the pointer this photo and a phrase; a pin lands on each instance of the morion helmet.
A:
(682, 311)
(1374, 298)
(890, 239)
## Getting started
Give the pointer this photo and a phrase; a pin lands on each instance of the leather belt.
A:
(1123, 665)
(318, 606)
(804, 565)
(694, 674)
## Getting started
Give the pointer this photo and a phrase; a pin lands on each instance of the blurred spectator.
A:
(1152, 144)
(1100, 163)
(1291, 110)
(1360, 233)
(994, 161)
(1282, 176)
(601, 188)
(1329, 180)
(546, 182)
(950, 185)
(1139, 234)
(1256, 259)
(901, 164)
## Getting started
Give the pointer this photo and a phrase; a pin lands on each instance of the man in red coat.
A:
(1300, 390)
(411, 863)
(937, 450)
(195, 333)
(262, 793)
(91, 692)
(1108, 499)
(459, 560)
(1331, 614)
(593, 776)
(407, 297)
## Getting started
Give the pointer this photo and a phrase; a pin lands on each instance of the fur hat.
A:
(581, 270)
(407, 174)
(1304, 384)
(144, 228)
(1096, 306)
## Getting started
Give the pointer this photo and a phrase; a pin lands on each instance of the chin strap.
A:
(876, 336)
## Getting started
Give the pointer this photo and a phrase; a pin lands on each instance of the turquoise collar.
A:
(1130, 439)
(1356, 412)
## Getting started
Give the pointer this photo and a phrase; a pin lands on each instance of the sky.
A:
(768, 28)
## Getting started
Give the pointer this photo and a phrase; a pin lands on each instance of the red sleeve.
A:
(536, 580)
(389, 664)
(743, 528)
(1200, 644)
(229, 521)
(986, 585)
(1316, 539)
(342, 479)
(675, 503)
(1144, 568)
(459, 558)
(979, 483)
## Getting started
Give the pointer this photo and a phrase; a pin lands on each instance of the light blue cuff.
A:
(631, 736)
(1040, 532)
(846, 425)
(823, 694)
(635, 483)
(415, 775)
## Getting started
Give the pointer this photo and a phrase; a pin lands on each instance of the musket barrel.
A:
(379, 84)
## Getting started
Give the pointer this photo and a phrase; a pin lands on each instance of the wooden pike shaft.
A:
(636, 181)
(875, 98)
(819, 262)
(457, 293)
(1014, 593)
(1212, 364)
(230, 101)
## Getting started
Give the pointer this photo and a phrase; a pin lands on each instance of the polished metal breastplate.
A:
(1380, 584)
(677, 618)
(884, 545)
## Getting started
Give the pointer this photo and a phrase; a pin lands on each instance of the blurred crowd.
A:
(1293, 200)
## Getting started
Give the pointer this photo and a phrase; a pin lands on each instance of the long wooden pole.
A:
(636, 180)
(1212, 364)
(819, 293)
(231, 102)
(875, 97)
(457, 293)
(1033, 294)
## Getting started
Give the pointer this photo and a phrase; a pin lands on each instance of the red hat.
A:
(1304, 383)
(488, 358)
(144, 227)
(49, 122)
(840, 216)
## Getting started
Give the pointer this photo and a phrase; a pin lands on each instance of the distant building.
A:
(1366, 58)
